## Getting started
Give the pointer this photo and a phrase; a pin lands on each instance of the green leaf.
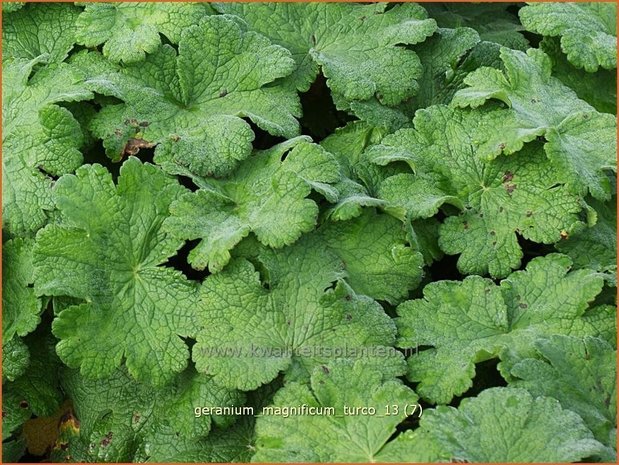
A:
(595, 246)
(588, 31)
(267, 195)
(470, 321)
(130, 30)
(603, 319)
(521, 195)
(440, 56)
(191, 103)
(21, 308)
(509, 425)
(408, 196)
(348, 144)
(359, 178)
(464, 322)
(15, 411)
(121, 420)
(581, 146)
(357, 47)
(378, 259)
(39, 385)
(108, 251)
(376, 114)
(14, 449)
(413, 446)
(580, 374)
(425, 234)
(452, 80)
(599, 89)
(336, 437)
(493, 21)
(299, 314)
(10, 7)
(39, 29)
(306, 169)
(15, 358)
(36, 391)
(580, 140)
(39, 139)
(352, 197)
(222, 445)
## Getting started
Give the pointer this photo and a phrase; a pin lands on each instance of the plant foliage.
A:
(309, 232)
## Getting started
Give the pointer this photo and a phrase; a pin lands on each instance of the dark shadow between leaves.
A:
(180, 262)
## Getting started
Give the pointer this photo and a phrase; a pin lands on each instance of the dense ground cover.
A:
(397, 219)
